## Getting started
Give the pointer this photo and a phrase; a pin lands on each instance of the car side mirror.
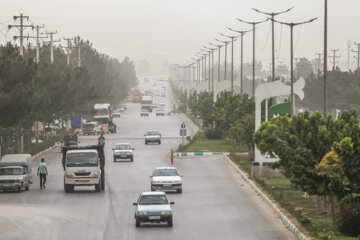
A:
(172, 203)
(144, 135)
(135, 204)
(182, 175)
(113, 149)
(133, 149)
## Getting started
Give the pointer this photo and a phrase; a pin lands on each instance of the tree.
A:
(303, 68)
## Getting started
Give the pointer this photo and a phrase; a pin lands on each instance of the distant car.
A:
(116, 113)
(152, 136)
(123, 151)
(160, 112)
(122, 108)
(99, 129)
(153, 207)
(144, 113)
(166, 178)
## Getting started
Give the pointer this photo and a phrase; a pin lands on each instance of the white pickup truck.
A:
(15, 172)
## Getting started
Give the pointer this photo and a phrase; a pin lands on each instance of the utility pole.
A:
(334, 57)
(242, 33)
(209, 53)
(212, 66)
(232, 60)
(52, 41)
(325, 57)
(21, 27)
(272, 15)
(253, 25)
(77, 42)
(37, 37)
(292, 25)
(68, 40)
(349, 54)
(358, 54)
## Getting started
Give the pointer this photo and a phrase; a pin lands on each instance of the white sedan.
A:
(153, 207)
(166, 178)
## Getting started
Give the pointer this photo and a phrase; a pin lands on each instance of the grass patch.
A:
(201, 144)
(304, 210)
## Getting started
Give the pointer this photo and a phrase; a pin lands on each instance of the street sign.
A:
(183, 132)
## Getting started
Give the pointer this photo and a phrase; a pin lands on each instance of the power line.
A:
(334, 57)
(21, 27)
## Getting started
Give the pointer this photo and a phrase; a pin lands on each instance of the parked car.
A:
(166, 178)
(152, 136)
(144, 112)
(153, 207)
(123, 151)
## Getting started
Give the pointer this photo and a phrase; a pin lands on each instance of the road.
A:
(215, 203)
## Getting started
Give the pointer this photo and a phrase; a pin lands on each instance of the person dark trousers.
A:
(42, 172)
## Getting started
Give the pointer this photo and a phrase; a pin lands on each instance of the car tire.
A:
(66, 188)
(132, 159)
(152, 189)
(27, 188)
(146, 142)
(170, 223)
(137, 224)
(114, 159)
(19, 190)
(179, 190)
(98, 187)
(159, 142)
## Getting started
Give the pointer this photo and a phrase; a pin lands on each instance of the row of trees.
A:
(45, 91)
(321, 156)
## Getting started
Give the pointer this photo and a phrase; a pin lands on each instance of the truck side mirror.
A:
(135, 204)
(172, 203)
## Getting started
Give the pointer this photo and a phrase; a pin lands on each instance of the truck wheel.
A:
(137, 223)
(98, 187)
(71, 188)
(66, 188)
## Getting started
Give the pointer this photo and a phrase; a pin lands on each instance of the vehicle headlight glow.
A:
(96, 174)
(166, 212)
(141, 213)
(69, 175)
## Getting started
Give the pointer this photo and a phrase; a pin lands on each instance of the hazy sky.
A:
(175, 30)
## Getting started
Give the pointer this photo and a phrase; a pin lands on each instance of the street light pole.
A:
(218, 46)
(292, 25)
(272, 15)
(325, 58)
(209, 52)
(242, 33)
(253, 25)
(232, 60)
(212, 67)
(225, 44)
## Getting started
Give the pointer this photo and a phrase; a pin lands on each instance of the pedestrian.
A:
(42, 172)
(101, 140)
(114, 128)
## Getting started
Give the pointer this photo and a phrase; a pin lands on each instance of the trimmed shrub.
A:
(348, 219)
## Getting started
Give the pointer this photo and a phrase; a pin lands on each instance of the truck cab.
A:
(15, 172)
(84, 166)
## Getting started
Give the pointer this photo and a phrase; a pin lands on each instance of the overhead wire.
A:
(266, 42)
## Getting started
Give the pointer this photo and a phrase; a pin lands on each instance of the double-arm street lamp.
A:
(242, 33)
(218, 46)
(212, 67)
(208, 53)
(225, 44)
(232, 60)
(292, 25)
(253, 25)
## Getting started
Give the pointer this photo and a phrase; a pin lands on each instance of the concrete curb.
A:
(195, 154)
(285, 220)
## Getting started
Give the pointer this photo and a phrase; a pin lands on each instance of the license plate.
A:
(82, 181)
(123, 155)
(154, 217)
(167, 185)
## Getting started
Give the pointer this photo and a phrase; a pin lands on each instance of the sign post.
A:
(182, 131)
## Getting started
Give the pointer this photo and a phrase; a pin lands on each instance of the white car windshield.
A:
(123, 147)
(153, 200)
(82, 158)
(166, 172)
(10, 171)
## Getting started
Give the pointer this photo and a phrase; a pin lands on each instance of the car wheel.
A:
(114, 159)
(137, 223)
(152, 189)
(179, 191)
(159, 142)
(170, 223)
(27, 188)
(19, 189)
(132, 159)
(146, 142)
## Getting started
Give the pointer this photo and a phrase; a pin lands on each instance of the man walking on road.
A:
(42, 171)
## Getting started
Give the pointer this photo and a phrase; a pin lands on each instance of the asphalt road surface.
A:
(215, 203)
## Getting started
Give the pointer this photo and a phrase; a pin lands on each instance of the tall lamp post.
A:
(218, 46)
(253, 25)
(272, 17)
(212, 67)
(232, 60)
(325, 57)
(208, 53)
(242, 33)
(225, 44)
(292, 25)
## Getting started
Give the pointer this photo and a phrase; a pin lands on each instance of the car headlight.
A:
(141, 213)
(96, 174)
(166, 212)
(69, 175)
